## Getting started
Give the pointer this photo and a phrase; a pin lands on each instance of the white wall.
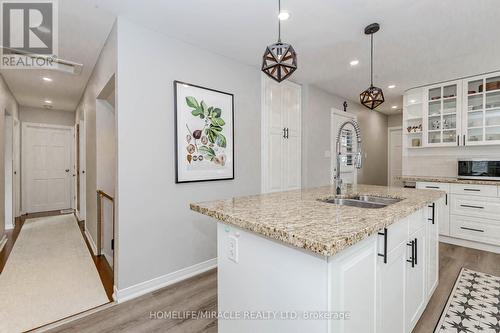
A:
(44, 116)
(395, 120)
(7, 103)
(104, 69)
(316, 136)
(157, 232)
(106, 168)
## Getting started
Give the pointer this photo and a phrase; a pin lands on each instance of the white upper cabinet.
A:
(482, 110)
(455, 113)
(442, 114)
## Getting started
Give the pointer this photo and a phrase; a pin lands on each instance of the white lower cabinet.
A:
(444, 218)
(407, 277)
(391, 282)
(415, 293)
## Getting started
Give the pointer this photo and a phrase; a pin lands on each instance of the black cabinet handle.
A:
(464, 139)
(470, 206)
(287, 136)
(433, 218)
(458, 140)
(284, 133)
(472, 189)
(416, 251)
(384, 255)
(446, 199)
(412, 258)
(472, 229)
(436, 187)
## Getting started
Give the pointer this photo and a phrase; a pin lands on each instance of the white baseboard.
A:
(163, 281)
(470, 244)
(91, 242)
(2, 242)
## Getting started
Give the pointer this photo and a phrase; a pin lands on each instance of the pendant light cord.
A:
(279, 21)
(371, 62)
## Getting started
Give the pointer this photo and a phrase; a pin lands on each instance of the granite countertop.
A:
(453, 180)
(299, 218)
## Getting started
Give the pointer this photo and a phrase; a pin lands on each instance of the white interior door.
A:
(17, 167)
(47, 167)
(348, 171)
(9, 172)
(82, 172)
(395, 163)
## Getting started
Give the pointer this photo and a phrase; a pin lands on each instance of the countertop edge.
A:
(310, 245)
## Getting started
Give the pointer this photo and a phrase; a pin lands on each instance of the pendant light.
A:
(279, 60)
(373, 96)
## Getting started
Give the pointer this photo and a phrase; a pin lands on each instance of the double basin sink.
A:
(363, 201)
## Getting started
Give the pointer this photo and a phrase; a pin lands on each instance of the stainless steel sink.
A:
(364, 201)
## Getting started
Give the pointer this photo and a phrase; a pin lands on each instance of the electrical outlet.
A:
(232, 249)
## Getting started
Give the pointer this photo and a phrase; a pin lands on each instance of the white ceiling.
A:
(83, 29)
(420, 42)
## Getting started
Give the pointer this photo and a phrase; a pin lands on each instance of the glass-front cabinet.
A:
(442, 112)
(481, 125)
(413, 118)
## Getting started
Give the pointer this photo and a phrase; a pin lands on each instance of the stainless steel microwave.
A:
(479, 169)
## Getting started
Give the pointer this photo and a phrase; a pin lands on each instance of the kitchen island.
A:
(301, 261)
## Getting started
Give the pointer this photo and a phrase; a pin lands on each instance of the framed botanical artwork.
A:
(204, 134)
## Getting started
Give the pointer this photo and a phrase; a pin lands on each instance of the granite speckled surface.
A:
(299, 218)
(451, 180)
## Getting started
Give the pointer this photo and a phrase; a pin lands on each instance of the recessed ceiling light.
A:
(47, 79)
(392, 86)
(283, 16)
(354, 62)
(394, 106)
(48, 101)
(412, 101)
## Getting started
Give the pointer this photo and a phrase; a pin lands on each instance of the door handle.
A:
(67, 170)
(384, 255)
(412, 258)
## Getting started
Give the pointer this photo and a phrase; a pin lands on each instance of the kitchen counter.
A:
(299, 218)
(452, 180)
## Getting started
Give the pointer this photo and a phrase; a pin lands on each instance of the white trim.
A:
(91, 241)
(9, 226)
(3, 242)
(163, 281)
(470, 244)
(389, 129)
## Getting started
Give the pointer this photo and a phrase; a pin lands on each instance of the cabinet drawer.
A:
(417, 220)
(433, 186)
(475, 229)
(480, 190)
(397, 233)
(468, 205)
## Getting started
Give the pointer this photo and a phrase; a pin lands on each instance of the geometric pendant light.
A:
(373, 96)
(280, 59)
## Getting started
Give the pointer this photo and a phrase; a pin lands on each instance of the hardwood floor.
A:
(200, 294)
(451, 260)
(196, 294)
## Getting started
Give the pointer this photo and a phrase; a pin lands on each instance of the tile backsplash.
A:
(439, 166)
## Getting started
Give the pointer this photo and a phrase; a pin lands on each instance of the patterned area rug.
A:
(473, 306)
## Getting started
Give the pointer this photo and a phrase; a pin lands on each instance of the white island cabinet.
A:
(378, 283)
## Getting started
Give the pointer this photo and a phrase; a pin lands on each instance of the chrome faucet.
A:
(358, 159)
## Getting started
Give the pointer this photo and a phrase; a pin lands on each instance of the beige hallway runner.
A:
(48, 276)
